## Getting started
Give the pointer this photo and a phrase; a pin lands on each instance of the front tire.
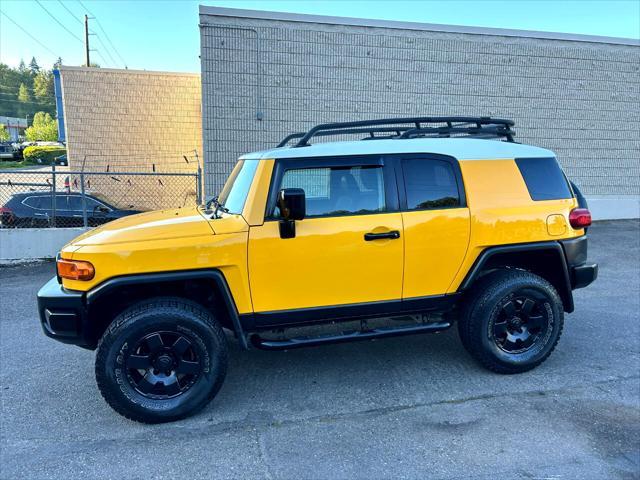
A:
(512, 320)
(161, 360)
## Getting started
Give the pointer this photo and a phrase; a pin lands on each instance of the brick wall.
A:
(131, 117)
(127, 120)
(579, 99)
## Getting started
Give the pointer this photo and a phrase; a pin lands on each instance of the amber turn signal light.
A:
(75, 269)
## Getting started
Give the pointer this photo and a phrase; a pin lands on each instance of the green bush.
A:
(43, 154)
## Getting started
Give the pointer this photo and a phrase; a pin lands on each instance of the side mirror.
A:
(292, 205)
(291, 202)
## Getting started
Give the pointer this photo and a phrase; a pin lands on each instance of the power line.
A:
(106, 49)
(31, 36)
(60, 23)
(70, 12)
(100, 55)
(105, 33)
(111, 43)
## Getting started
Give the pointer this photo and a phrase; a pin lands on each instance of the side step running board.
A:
(352, 336)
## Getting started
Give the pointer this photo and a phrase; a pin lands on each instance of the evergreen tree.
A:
(33, 66)
(58, 63)
(43, 86)
(23, 93)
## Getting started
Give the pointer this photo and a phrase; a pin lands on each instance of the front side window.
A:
(75, 203)
(430, 184)
(333, 191)
(235, 191)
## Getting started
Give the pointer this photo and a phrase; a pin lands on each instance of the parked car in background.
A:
(6, 151)
(35, 209)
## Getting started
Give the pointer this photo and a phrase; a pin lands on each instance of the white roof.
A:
(459, 148)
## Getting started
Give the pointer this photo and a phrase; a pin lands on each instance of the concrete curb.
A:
(18, 245)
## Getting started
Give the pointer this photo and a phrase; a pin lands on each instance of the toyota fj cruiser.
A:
(427, 222)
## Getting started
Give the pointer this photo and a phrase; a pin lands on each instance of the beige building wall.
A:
(128, 120)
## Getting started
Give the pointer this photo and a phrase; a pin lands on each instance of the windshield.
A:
(234, 193)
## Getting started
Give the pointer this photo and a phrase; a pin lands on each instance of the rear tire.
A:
(161, 360)
(511, 321)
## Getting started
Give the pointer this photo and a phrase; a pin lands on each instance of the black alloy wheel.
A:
(511, 320)
(522, 321)
(163, 365)
(161, 359)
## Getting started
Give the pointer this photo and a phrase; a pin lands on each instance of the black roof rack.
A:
(411, 127)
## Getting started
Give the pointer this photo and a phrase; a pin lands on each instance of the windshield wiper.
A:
(217, 206)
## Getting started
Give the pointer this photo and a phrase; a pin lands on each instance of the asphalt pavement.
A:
(412, 407)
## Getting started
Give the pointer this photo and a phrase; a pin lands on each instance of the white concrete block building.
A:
(265, 75)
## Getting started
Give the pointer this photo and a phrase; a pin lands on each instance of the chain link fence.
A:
(65, 197)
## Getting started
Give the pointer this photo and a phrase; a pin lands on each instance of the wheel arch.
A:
(546, 259)
(207, 287)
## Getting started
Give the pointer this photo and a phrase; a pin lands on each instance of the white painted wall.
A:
(612, 208)
(18, 244)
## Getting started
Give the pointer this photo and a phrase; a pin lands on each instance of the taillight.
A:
(75, 269)
(580, 218)
(6, 210)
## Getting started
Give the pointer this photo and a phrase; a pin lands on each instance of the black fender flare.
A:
(565, 289)
(215, 275)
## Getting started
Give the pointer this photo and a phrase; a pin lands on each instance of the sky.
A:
(164, 35)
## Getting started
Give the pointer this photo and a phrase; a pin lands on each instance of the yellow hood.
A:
(157, 225)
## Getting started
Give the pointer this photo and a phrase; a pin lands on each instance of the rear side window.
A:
(544, 178)
(38, 202)
(430, 184)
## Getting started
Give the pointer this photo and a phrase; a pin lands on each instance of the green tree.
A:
(43, 129)
(33, 66)
(4, 134)
(23, 93)
(43, 86)
(22, 68)
(10, 81)
(58, 63)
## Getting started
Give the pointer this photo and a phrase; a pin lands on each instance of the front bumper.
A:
(63, 315)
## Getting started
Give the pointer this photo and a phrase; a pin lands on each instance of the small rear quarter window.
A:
(544, 178)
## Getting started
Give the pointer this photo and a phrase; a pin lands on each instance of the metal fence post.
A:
(199, 179)
(53, 194)
(199, 185)
(84, 201)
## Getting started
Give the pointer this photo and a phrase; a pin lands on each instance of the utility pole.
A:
(86, 38)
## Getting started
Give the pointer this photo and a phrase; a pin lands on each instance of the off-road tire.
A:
(483, 304)
(172, 316)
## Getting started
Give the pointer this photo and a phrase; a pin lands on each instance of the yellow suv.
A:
(422, 223)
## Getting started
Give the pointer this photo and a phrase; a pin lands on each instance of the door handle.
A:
(392, 235)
